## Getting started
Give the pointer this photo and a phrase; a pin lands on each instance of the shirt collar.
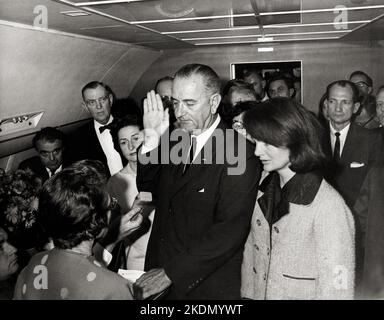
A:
(50, 173)
(203, 137)
(98, 124)
(343, 132)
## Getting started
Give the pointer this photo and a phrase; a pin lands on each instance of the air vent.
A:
(75, 13)
(20, 123)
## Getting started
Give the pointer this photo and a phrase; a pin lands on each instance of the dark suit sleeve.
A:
(376, 156)
(227, 234)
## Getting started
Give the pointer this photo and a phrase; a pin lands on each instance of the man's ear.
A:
(84, 106)
(370, 89)
(110, 97)
(214, 102)
(291, 92)
(356, 107)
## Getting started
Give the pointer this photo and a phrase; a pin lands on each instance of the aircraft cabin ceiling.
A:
(167, 24)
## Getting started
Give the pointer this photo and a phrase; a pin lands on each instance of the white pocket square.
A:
(356, 165)
(201, 190)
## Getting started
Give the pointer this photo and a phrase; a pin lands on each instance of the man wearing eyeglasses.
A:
(362, 81)
(354, 149)
(50, 145)
(94, 141)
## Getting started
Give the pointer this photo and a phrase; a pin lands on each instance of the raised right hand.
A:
(156, 119)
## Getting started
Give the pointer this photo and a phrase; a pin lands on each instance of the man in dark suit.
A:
(203, 210)
(354, 149)
(370, 218)
(94, 140)
(50, 145)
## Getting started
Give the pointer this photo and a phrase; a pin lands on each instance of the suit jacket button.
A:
(276, 229)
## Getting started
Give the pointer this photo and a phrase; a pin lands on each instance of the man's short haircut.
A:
(49, 134)
(362, 73)
(345, 83)
(368, 102)
(249, 72)
(381, 88)
(73, 204)
(288, 81)
(283, 122)
(237, 83)
(166, 78)
(94, 85)
(119, 123)
(211, 79)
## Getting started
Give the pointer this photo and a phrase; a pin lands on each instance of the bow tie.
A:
(102, 128)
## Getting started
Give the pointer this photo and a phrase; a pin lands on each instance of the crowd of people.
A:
(252, 195)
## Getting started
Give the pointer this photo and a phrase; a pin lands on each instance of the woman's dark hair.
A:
(283, 122)
(119, 123)
(73, 204)
(228, 112)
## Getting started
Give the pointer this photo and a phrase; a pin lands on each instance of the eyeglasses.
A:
(93, 103)
(361, 84)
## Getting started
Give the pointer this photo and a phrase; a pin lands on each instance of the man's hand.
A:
(155, 120)
(152, 282)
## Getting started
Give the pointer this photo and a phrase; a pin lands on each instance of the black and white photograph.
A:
(191, 156)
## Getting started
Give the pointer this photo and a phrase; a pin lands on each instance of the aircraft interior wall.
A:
(45, 71)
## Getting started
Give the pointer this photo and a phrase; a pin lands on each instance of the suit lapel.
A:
(95, 144)
(197, 170)
(348, 144)
(327, 143)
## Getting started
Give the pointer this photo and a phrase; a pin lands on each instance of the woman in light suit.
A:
(301, 242)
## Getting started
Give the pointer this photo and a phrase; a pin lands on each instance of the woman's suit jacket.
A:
(308, 253)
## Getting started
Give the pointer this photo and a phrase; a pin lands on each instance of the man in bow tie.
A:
(94, 140)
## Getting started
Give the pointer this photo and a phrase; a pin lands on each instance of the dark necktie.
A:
(336, 150)
(102, 128)
(192, 149)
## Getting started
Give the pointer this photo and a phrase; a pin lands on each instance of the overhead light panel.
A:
(98, 3)
(265, 39)
(75, 13)
(268, 37)
(265, 49)
(272, 26)
(277, 40)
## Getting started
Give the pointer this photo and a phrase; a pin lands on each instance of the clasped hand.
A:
(151, 283)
